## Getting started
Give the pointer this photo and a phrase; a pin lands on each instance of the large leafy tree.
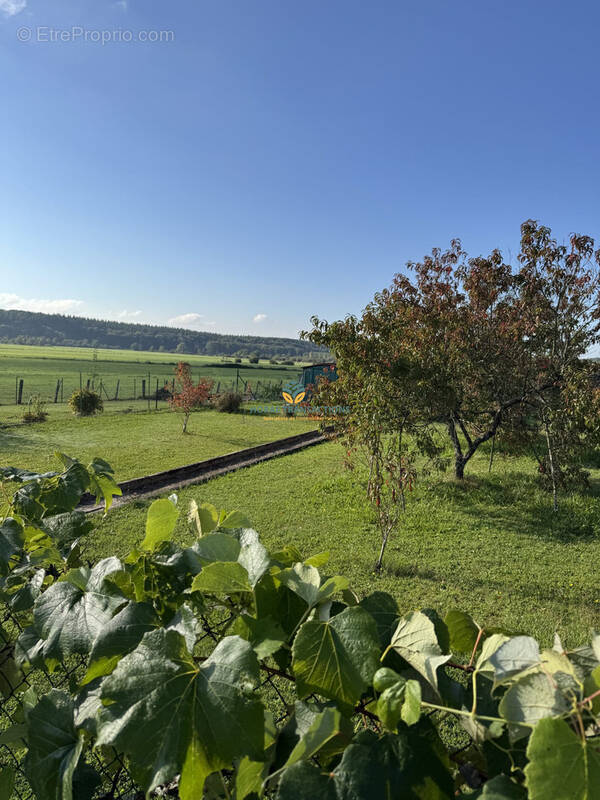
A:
(469, 344)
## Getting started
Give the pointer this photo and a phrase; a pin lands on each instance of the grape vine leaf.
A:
(415, 640)
(500, 788)
(160, 523)
(119, 636)
(306, 780)
(561, 765)
(177, 717)
(517, 655)
(384, 610)
(54, 748)
(71, 613)
(530, 699)
(325, 727)
(336, 658)
(393, 765)
(222, 577)
(11, 541)
(7, 781)
(462, 629)
(265, 635)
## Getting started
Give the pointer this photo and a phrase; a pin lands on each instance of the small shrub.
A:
(229, 402)
(253, 359)
(238, 361)
(36, 410)
(85, 402)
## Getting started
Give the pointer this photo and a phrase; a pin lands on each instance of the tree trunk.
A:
(552, 470)
(459, 468)
(492, 453)
(185, 422)
(384, 541)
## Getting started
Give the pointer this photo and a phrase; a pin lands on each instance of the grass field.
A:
(137, 443)
(41, 368)
(492, 546)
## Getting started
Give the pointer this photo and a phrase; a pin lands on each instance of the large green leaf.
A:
(222, 577)
(174, 716)
(54, 747)
(402, 765)
(325, 727)
(119, 636)
(7, 781)
(265, 635)
(336, 658)
(102, 483)
(304, 780)
(52, 495)
(513, 657)
(530, 699)
(415, 640)
(561, 765)
(462, 629)
(11, 542)
(501, 788)
(216, 547)
(160, 523)
(399, 699)
(384, 610)
(303, 580)
(70, 614)
(254, 557)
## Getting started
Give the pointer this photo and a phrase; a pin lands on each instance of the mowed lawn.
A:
(138, 443)
(492, 546)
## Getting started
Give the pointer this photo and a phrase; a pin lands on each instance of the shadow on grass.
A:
(518, 504)
(12, 440)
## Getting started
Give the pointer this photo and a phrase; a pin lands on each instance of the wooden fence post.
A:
(20, 394)
(57, 391)
(117, 389)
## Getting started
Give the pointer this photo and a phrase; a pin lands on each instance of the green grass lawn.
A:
(492, 546)
(138, 443)
(41, 368)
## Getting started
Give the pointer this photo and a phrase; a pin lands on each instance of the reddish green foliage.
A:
(190, 396)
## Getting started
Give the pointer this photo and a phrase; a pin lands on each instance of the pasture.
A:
(41, 368)
(492, 545)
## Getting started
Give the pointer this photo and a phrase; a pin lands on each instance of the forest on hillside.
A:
(25, 327)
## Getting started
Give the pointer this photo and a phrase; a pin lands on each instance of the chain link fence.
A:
(155, 390)
(116, 782)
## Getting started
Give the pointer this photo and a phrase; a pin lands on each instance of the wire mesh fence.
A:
(116, 781)
(156, 390)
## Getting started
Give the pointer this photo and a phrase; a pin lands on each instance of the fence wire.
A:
(117, 782)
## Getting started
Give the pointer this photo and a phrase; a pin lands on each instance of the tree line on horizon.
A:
(31, 328)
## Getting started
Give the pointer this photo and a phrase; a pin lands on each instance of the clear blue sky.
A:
(282, 158)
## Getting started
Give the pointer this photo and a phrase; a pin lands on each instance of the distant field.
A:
(41, 368)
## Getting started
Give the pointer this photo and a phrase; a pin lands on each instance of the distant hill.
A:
(26, 327)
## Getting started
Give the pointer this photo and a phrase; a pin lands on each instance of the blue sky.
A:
(279, 159)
